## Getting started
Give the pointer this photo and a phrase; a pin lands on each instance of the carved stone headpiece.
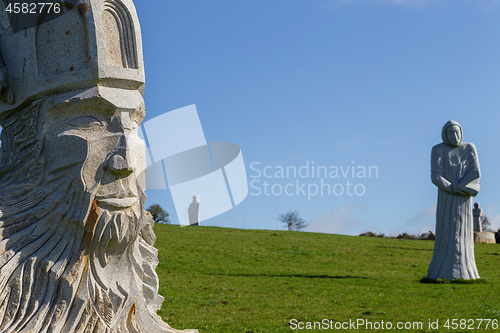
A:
(90, 43)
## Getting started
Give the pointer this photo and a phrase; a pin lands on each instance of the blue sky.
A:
(334, 82)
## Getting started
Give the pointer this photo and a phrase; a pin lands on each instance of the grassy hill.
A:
(238, 281)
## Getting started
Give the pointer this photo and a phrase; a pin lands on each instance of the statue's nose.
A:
(119, 166)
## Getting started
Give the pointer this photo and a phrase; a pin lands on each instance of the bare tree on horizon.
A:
(292, 220)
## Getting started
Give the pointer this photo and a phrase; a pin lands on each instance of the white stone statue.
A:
(76, 246)
(455, 171)
(481, 236)
(194, 211)
(477, 212)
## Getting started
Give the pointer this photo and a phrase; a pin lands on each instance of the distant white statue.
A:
(194, 211)
(477, 212)
(455, 171)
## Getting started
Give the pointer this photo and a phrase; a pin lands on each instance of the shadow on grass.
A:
(403, 248)
(456, 281)
(306, 276)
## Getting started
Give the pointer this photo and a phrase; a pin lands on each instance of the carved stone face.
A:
(104, 141)
(454, 135)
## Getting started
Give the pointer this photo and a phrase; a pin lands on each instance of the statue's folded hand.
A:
(470, 189)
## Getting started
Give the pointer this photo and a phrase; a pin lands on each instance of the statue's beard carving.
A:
(114, 273)
(67, 264)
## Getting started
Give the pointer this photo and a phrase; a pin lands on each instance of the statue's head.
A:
(452, 134)
(80, 154)
(79, 93)
(476, 205)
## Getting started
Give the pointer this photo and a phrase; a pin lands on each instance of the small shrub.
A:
(406, 236)
(371, 234)
(427, 236)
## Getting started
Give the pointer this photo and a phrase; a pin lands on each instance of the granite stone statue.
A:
(477, 213)
(194, 211)
(481, 236)
(455, 171)
(76, 245)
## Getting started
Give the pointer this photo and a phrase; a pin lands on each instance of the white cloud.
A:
(422, 221)
(343, 220)
(422, 216)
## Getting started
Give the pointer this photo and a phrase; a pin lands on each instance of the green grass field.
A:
(238, 281)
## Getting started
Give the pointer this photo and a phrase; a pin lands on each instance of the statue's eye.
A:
(86, 122)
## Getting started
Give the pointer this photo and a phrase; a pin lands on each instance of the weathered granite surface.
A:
(455, 171)
(76, 246)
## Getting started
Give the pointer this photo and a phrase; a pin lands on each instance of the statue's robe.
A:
(453, 256)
